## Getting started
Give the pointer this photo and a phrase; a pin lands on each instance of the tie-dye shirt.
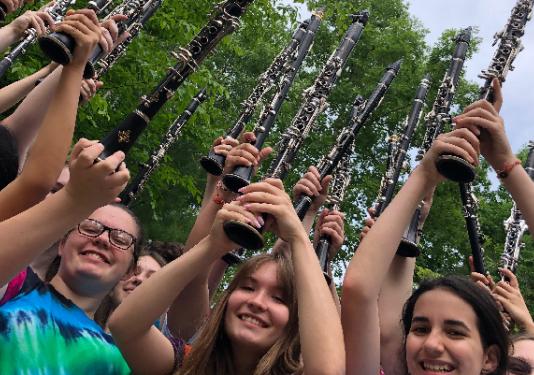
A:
(43, 333)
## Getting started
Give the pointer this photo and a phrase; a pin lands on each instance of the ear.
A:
(492, 357)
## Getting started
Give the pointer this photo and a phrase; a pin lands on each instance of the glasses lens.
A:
(121, 238)
(91, 228)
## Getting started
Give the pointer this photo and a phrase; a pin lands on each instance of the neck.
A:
(245, 360)
(82, 297)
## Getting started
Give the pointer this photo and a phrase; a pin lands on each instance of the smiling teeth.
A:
(96, 256)
(443, 368)
(251, 320)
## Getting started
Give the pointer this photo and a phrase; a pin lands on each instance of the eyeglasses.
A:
(117, 237)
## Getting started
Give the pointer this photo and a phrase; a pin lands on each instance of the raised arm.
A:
(483, 119)
(50, 149)
(321, 337)
(145, 348)
(12, 32)
(372, 261)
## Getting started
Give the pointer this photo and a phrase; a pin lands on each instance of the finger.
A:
(98, 85)
(497, 94)
(335, 237)
(47, 18)
(512, 278)
(112, 29)
(118, 179)
(229, 141)
(456, 146)
(484, 104)
(248, 137)
(114, 160)
(301, 188)
(89, 13)
(238, 160)
(80, 146)
(325, 185)
(264, 153)
(88, 155)
(106, 40)
(371, 211)
(311, 188)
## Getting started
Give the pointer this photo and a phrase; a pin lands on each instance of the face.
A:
(85, 259)
(524, 349)
(146, 266)
(444, 338)
(256, 313)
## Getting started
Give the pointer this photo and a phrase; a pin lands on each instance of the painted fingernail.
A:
(260, 220)
(242, 190)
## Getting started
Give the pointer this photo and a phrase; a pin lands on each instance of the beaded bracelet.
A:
(218, 198)
(507, 168)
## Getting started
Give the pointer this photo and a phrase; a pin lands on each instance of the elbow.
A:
(38, 185)
(357, 289)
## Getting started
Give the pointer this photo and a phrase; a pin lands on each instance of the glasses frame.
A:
(105, 228)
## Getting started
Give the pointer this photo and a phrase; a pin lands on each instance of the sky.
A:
(490, 16)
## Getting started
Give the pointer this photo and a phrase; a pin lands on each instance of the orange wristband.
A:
(507, 168)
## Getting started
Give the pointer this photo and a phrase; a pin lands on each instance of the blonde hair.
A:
(212, 352)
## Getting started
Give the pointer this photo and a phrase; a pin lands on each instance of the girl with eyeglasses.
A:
(276, 317)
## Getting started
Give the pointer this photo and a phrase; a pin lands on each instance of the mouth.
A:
(253, 320)
(436, 367)
(95, 255)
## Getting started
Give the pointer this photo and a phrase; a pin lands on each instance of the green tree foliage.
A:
(169, 204)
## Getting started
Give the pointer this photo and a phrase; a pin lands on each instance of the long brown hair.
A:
(211, 353)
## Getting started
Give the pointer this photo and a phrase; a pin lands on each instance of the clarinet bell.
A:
(57, 47)
(239, 178)
(455, 168)
(213, 163)
(244, 235)
(408, 249)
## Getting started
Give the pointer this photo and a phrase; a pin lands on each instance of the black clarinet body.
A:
(57, 12)
(360, 113)
(314, 103)
(454, 167)
(339, 185)
(105, 64)
(470, 207)
(315, 99)
(242, 175)
(3, 12)
(398, 148)
(516, 225)
(130, 193)
(435, 122)
(224, 21)
(214, 163)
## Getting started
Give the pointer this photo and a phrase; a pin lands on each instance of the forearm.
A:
(15, 92)
(49, 152)
(521, 187)
(29, 233)
(25, 122)
(211, 183)
(216, 275)
(136, 314)
(318, 318)
(335, 296)
(370, 265)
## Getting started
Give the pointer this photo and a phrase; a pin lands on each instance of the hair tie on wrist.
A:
(507, 168)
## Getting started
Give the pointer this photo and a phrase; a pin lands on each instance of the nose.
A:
(103, 239)
(257, 300)
(434, 344)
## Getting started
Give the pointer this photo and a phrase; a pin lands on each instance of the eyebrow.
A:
(449, 322)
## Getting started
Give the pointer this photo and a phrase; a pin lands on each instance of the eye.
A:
(247, 288)
(419, 330)
(279, 299)
(455, 333)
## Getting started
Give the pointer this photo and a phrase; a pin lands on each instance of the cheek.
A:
(280, 314)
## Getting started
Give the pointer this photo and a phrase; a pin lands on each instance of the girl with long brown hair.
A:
(276, 317)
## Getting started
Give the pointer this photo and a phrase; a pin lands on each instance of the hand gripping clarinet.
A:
(130, 193)
(314, 102)
(339, 185)
(515, 225)
(359, 116)
(57, 11)
(398, 146)
(435, 122)
(454, 167)
(241, 176)
(105, 64)
(59, 46)
(214, 163)
(224, 21)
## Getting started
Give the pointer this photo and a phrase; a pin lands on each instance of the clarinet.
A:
(57, 12)
(214, 163)
(130, 193)
(339, 185)
(435, 122)
(398, 147)
(224, 21)
(242, 175)
(454, 167)
(359, 116)
(515, 225)
(315, 97)
(59, 46)
(105, 64)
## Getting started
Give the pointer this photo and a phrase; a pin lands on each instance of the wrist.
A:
(504, 168)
